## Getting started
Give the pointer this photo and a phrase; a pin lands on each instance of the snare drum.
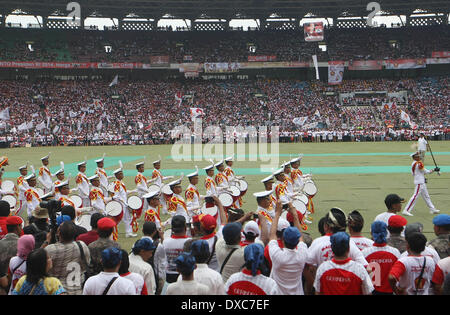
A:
(11, 200)
(136, 204)
(235, 192)
(209, 210)
(114, 210)
(226, 199)
(243, 186)
(8, 185)
(303, 198)
(77, 201)
(300, 206)
(310, 188)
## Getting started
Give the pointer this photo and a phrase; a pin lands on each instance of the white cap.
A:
(208, 167)
(297, 159)
(282, 224)
(175, 182)
(23, 167)
(412, 154)
(278, 172)
(151, 194)
(117, 171)
(140, 163)
(93, 177)
(59, 171)
(286, 164)
(218, 163)
(30, 176)
(45, 157)
(264, 193)
(230, 158)
(252, 227)
(47, 195)
(266, 179)
(102, 159)
(157, 161)
(82, 163)
(64, 183)
(193, 174)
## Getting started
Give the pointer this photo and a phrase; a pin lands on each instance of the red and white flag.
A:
(196, 112)
(179, 98)
(405, 117)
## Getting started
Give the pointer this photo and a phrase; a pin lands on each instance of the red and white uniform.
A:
(83, 188)
(243, 283)
(141, 186)
(103, 178)
(159, 178)
(320, 251)
(97, 199)
(55, 189)
(342, 277)
(177, 206)
(381, 258)
(66, 201)
(441, 271)
(269, 214)
(406, 271)
(221, 181)
(33, 199)
(281, 193)
(173, 246)
(428, 251)
(192, 197)
(418, 171)
(120, 194)
(361, 242)
(153, 215)
(210, 186)
(45, 178)
(296, 177)
(22, 186)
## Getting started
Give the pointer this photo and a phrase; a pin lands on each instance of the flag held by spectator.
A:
(405, 117)
(4, 114)
(196, 112)
(179, 98)
(300, 120)
(115, 81)
(40, 126)
(99, 126)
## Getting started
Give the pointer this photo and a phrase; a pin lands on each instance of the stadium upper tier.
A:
(232, 46)
(147, 111)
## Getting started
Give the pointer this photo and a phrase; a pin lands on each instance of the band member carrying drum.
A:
(268, 185)
(193, 197)
(22, 186)
(265, 207)
(153, 212)
(98, 199)
(45, 176)
(103, 177)
(83, 184)
(232, 178)
(31, 194)
(176, 204)
(121, 195)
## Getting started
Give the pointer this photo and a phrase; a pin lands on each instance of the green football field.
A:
(351, 176)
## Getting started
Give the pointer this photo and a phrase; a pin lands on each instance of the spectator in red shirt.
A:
(91, 235)
(4, 213)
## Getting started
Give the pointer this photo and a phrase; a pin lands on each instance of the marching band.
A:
(152, 197)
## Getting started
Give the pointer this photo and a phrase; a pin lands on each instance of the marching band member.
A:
(221, 179)
(296, 174)
(157, 175)
(268, 185)
(83, 184)
(281, 189)
(210, 184)
(141, 183)
(31, 194)
(22, 186)
(96, 196)
(287, 178)
(45, 176)
(265, 207)
(3, 162)
(121, 195)
(192, 195)
(176, 204)
(232, 178)
(153, 212)
(64, 191)
(59, 179)
(103, 177)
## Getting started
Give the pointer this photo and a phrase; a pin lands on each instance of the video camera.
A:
(53, 206)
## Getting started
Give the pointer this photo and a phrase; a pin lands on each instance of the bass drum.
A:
(243, 186)
(136, 204)
(210, 210)
(11, 200)
(226, 199)
(77, 201)
(114, 210)
(310, 189)
(8, 185)
(84, 220)
(299, 205)
(303, 198)
(235, 192)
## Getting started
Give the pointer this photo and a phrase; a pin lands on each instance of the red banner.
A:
(440, 54)
(262, 58)
(365, 65)
(313, 31)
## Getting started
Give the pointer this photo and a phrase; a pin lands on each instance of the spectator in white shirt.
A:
(108, 282)
(355, 226)
(142, 251)
(204, 274)
(159, 258)
(287, 262)
(188, 285)
(138, 280)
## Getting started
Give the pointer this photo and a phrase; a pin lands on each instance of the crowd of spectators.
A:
(232, 46)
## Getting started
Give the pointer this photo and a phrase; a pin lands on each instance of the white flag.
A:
(99, 125)
(4, 114)
(316, 66)
(114, 81)
(22, 126)
(300, 120)
(196, 112)
(40, 126)
(405, 117)
(317, 113)
(140, 124)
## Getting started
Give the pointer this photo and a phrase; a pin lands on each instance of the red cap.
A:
(208, 222)
(105, 224)
(196, 218)
(14, 220)
(290, 218)
(397, 221)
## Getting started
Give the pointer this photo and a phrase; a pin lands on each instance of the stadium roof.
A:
(223, 9)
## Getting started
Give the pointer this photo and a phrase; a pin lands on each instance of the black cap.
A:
(392, 199)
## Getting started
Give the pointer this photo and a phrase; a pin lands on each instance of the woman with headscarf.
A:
(18, 264)
(250, 280)
(380, 257)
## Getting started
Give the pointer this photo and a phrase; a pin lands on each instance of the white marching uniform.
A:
(210, 186)
(83, 188)
(120, 194)
(142, 188)
(22, 186)
(32, 198)
(192, 199)
(103, 179)
(45, 178)
(177, 206)
(98, 201)
(418, 171)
